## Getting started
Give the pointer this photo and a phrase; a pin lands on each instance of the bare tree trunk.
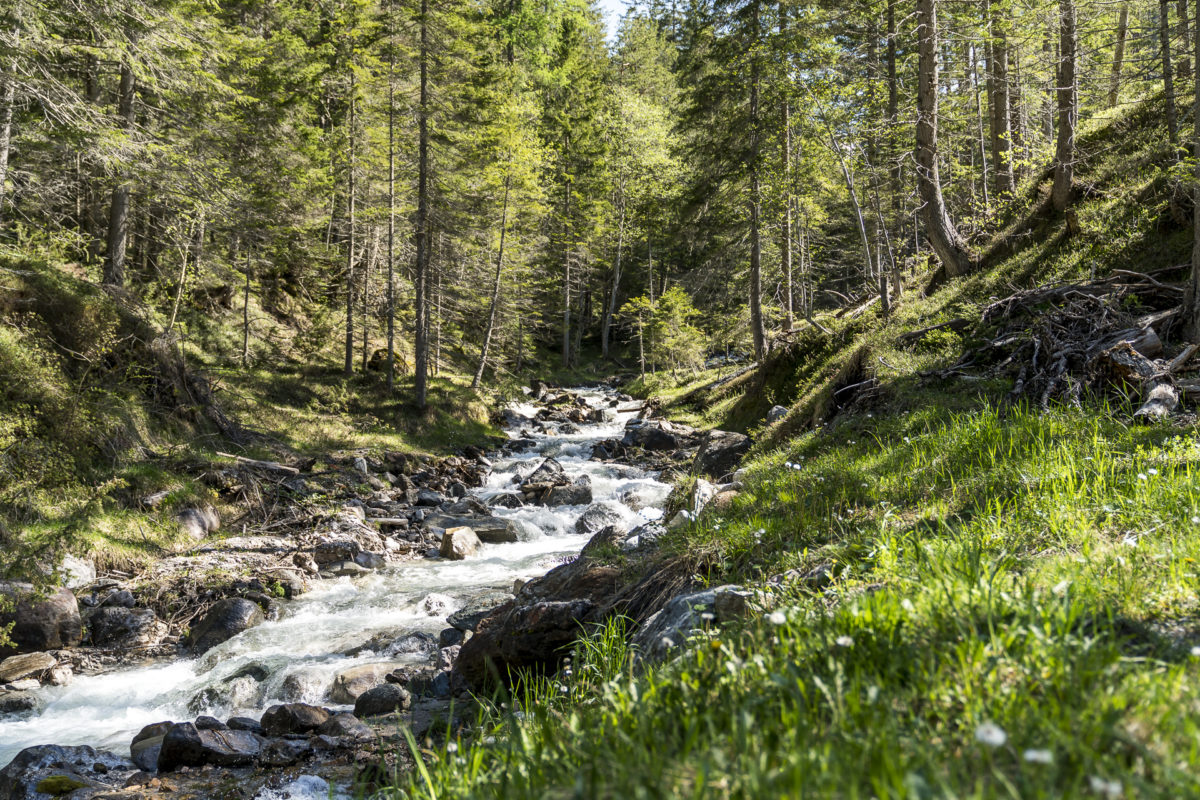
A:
(610, 312)
(983, 156)
(999, 97)
(118, 217)
(949, 246)
(1185, 36)
(1064, 156)
(566, 287)
(1164, 35)
(757, 327)
(93, 219)
(391, 234)
(348, 365)
(1191, 302)
(496, 284)
(893, 111)
(785, 238)
(8, 100)
(368, 268)
(246, 314)
(1114, 88)
(421, 347)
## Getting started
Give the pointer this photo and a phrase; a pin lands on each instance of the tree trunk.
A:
(757, 327)
(1185, 37)
(391, 234)
(949, 246)
(246, 314)
(348, 365)
(8, 100)
(998, 95)
(610, 312)
(496, 284)
(785, 238)
(1114, 88)
(566, 287)
(368, 268)
(1191, 302)
(1164, 36)
(421, 344)
(1064, 156)
(118, 217)
(893, 111)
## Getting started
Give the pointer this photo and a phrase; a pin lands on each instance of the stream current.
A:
(295, 658)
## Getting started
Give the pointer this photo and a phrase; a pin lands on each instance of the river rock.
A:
(429, 498)
(578, 493)
(686, 614)
(353, 681)
(126, 627)
(720, 452)
(527, 637)
(436, 604)
(76, 572)
(62, 675)
(467, 618)
(186, 745)
(599, 516)
(334, 551)
(40, 622)
(226, 619)
(651, 435)
(347, 726)
(548, 473)
(284, 752)
(489, 529)
(67, 768)
(19, 701)
(301, 685)
(450, 637)
(507, 500)
(198, 523)
(382, 700)
(458, 543)
(292, 718)
(27, 665)
(245, 724)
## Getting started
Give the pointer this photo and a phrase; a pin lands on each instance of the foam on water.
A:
(314, 632)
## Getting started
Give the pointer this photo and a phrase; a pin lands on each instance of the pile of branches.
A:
(1059, 341)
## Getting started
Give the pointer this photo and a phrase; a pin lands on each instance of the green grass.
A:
(1036, 571)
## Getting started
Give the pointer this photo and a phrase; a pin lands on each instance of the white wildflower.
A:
(1038, 756)
(844, 641)
(1196, 651)
(1152, 471)
(489, 740)
(1196, 520)
(708, 616)
(907, 605)
(991, 734)
(1104, 787)
(777, 618)
(1061, 587)
(452, 747)
(1142, 476)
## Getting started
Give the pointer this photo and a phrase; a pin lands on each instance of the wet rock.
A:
(332, 552)
(185, 745)
(126, 627)
(292, 718)
(240, 691)
(417, 643)
(645, 536)
(507, 500)
(651, 435)
(369, 560)
(198, 523)
(720, 452)
(152, 730)
(449, 637)
(489, 529)
(382, 700)
(347, 726)
(303, 684)
(469, 616)
(548, 473)
(436, 605)
(62, 675)
(27, 665)
(285, 752)
(146, 752)
(17, 702)
(353, 681)
(245, 724)
(306, 563)
(62, 768)
(40, 622)
(344, 569)
(635, 499)
(429, 498)
(226, 619)
(599, 516)
(210, 724)
(458, 543)
(607, 539)
(576, 494)
(686, 614)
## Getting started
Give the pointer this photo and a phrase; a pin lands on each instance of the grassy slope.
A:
(86, 429)
(1028, 572)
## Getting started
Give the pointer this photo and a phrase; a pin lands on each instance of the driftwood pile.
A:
(1100, 335)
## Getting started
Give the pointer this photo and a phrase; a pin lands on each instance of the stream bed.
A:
(295, 658)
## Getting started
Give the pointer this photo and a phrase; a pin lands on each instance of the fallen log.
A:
(253, 462)
(958, 325)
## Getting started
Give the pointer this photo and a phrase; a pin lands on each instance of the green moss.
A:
(59, 784)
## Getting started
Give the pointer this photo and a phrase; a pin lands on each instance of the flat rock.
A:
(26, 665)
(382, 700)
(292, 718)
(185, 745)
(352, 682)
(458, 543)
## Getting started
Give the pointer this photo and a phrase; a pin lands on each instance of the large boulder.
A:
(347, 726)
(578, 493)
(76, 572)
(198, 523)
(40, 621)
(547, 474)
(126, 627)
(458, 543)
(599, 516)
(226, 619)
(185, 745)
(382, 700)
(489, 529)
(63, 768)
(651, 435)
(467, 618)
(525, 637)
(147, 745)
(720, 452)
(292, 718)
(686, 614)
(27, 665)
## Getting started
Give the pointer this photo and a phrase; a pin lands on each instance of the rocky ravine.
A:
(392, 621)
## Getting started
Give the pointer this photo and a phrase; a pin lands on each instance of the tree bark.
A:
(785, 239)
(893, 112)
(496, 284)
(118, 216)
(1191, 302)
(8, 100)
(610, 312)
(758, 330)
(246, 314)
(566, 287)
(949, 246)
(1068, 102)
(983, 155)
(391, 235)
(421, 344)
(1164, 36)
(348, 365)
(999, 97)
(1114, 87)
(1185, 36)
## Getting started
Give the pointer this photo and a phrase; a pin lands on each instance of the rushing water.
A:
(299, 653)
